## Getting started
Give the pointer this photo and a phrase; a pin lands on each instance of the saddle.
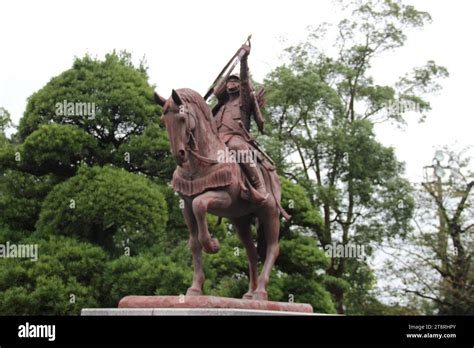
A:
(221, 174)
(215, 176)
(210, 177)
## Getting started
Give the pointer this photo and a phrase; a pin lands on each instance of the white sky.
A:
(186, 43)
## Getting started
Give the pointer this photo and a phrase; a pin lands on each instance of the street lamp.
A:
(439, 171)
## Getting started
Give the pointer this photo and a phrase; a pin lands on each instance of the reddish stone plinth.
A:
(210, 302)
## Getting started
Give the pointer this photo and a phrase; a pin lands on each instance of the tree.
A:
(106, 206)
(111, 101)
(115, 94)
(55, 149)
(145, 274)
(435, 261)
(50, 145)
(61, 185)
(148, 153)
(21, 197)
(65, 279)
(304, 216)
(323, 107)
(5, 120)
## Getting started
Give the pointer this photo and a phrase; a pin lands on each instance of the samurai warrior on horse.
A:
(245, 193)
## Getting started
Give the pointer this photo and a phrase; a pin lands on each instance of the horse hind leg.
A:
(244, 231)
(271, 230)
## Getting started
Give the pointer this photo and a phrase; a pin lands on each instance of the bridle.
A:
(184, 110)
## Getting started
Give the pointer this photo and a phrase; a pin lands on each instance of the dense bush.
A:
(106, 206)
(65, 278)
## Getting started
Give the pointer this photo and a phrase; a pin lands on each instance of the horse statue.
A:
(209, 185)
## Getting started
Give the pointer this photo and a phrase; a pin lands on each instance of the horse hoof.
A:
(260, 296)
(193, 292)
(211, 246)
(248, 296)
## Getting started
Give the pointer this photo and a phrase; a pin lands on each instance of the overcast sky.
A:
(186, 43)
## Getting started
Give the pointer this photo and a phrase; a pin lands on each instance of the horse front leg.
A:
(271, 231)
(201, 205)
(195, 246)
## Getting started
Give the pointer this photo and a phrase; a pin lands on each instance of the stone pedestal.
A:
(211, 302)
(188, 312)
(199, 305)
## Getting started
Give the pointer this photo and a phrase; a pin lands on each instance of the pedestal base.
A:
(210, 302)
(188, 312)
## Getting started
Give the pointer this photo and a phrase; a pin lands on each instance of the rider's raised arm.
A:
(245, 90)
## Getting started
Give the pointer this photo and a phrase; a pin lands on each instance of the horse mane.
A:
(190, 96)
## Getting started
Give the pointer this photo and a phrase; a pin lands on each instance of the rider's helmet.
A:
(233, 78)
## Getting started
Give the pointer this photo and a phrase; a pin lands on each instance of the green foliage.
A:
(360, 292)
(336, 284)
(145, 274)
(5, 120)
(97, 112)
(106, 206)
(372, 306)
(64, 267)
(298, 273)
(57, 149)
(51, 294)
(13, 235)
(103, 205)
(21, 196)
(230, 261)
(148, 153)
(310, 291)
(120, 93)
(233, 287)
(176, 229)
(302, 255)
(323, 106)
(296, 202)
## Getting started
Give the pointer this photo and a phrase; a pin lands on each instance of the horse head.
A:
(191, 128)
(180, 123)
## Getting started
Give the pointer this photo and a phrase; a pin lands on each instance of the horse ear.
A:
(159, 99)
(177, 100)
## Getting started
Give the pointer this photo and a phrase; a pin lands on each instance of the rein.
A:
(184, 110)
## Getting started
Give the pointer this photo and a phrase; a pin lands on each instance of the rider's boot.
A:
(256, 180)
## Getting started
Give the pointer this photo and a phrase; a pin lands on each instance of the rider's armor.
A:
(233, 122)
